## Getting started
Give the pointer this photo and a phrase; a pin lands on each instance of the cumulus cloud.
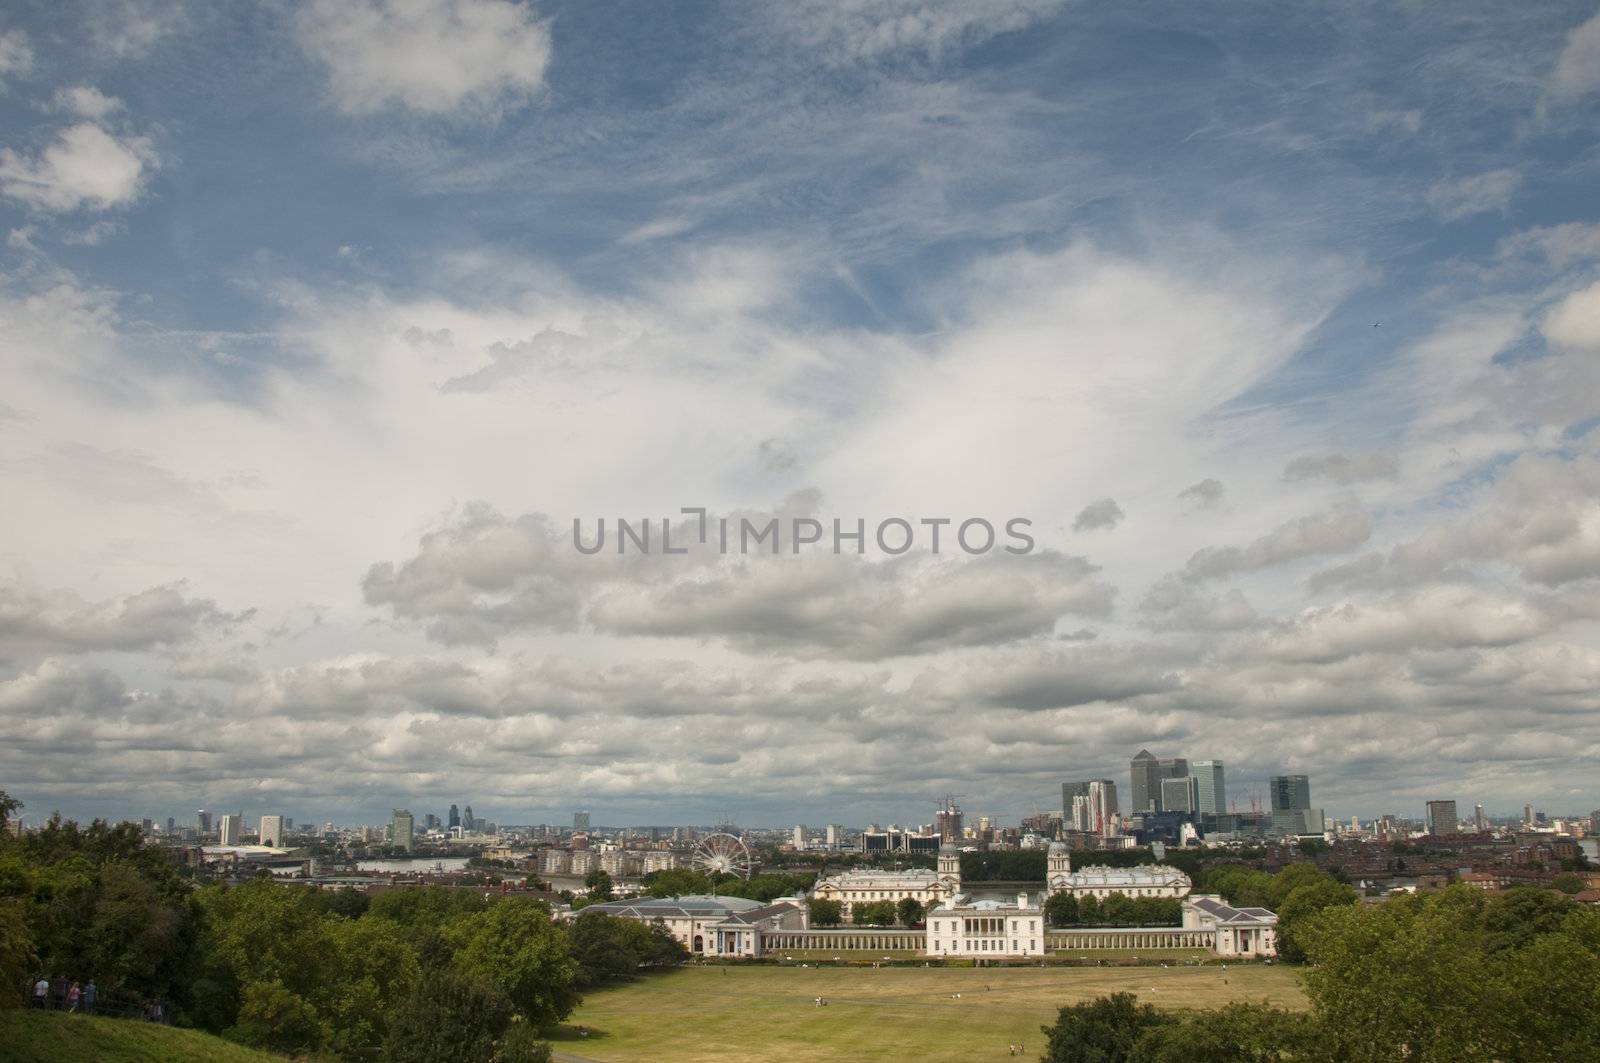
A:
(484, 576)
(1453, 199)
(1102, 514)
(1333, 531)
(1574, 322)
(37, 622)
(430, 56)
(1202, 495)
(84, 168)
(1174, 604)
(86, 101)
(1342, 469)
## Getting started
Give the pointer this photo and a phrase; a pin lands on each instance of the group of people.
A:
(58, 994)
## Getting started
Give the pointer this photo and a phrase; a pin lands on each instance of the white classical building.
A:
(1246, 932)
(711, 926)
(1145, 880)
(928, 888)
(986, 929)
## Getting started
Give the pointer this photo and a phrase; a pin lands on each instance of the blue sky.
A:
(320, 321)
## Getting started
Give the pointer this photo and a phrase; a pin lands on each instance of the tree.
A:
(1089, 913)
(1238, 1033)
(274, 1017)
(1061, 909)
(909, 911)
(515, 947)
(1117, 909)
(1104, 1030)
(17, 953)
(603, 948)
(1570, 884)
(1300, 906)
(598, 883)
(824, 912)
(873, 913)
(451, 1017)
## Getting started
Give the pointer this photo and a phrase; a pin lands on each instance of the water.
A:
(418, 863)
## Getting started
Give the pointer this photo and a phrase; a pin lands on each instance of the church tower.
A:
(1058, 868)
(950, 867)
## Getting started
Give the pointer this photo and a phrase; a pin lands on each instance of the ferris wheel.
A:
(722, 854)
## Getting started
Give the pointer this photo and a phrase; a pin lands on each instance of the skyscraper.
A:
(402, 829)
(1148, 771)
(455, 817)
(1442, 818)
(950, 824)
(202, 821)
(230, 829)
(799, 835)
(1181, 794)
(1291, 805)
(1213, 788)
(272, 830)
(1479, 822)
(580, 821)
(468, 823)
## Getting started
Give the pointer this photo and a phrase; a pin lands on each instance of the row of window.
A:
(955, 925)
(984, 945)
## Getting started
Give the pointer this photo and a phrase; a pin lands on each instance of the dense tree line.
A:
(412, 974)
(1448, 977)
(1117, 909)
(767, 887)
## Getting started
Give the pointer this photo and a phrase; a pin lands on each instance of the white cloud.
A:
(86, 101)
(1577, 70)
(1342, 469)
(1333, 531)
(863, 30)
(1457, 198)
(431, 56)
(1574, 322)
(16, 54)
(84, 168)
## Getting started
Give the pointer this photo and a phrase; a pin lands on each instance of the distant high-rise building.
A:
(1148, 770)
(402, 829)
(948, 822)
(469, 823)
(1442, 818)
(172, 825)
(580, 821)
(1070, 790)
(1095, 810)
(1212, 786)
(1181, 794)
(272, 830)
(202, 822)
(230, 829)
(147, 826)
(1479, 822)
(799, 835)
(835, 835)
(1528, 817)
(1291, 805)
(455, 817)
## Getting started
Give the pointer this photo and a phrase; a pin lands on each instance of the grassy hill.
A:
(52, 1037)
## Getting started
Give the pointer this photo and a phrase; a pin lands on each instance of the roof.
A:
(871, 879)
(959, 903)
(692, 907)
(1118, 877)
(1223, 912)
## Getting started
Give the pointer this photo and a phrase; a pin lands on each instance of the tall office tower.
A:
(1291, 804)
(580, 821)
(272, 831)
(202, 821)
(1528, 818)
(799, 835)
(402, 829)
(1213, 788)
(229, 829)
(1148, 770)
(1181, 794)
(469, 824)
(288, 824)
(172, 825)
(1442, 818)
(835, 835)
(1070, 790)
(455, 817)
(1479, 822)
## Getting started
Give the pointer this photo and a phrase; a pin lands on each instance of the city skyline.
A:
(1280, 328)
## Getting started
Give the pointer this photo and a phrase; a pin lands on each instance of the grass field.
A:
(892, 1013)
(52, 1037)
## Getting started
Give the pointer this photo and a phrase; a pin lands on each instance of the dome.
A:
(948, 847)
(1059, 849)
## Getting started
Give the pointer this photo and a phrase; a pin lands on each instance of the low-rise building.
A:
(1244, 932)
(863, 887)
(712, 925)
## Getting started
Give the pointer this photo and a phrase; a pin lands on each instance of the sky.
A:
(322, 321)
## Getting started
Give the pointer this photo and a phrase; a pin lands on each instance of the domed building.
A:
(1145, 880)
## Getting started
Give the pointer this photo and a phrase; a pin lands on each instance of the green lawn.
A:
(891, 1013)
(54, 1037)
